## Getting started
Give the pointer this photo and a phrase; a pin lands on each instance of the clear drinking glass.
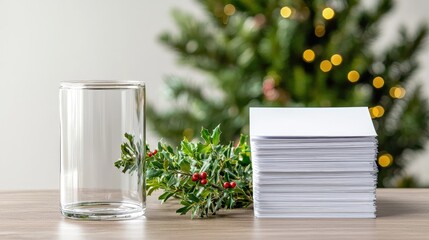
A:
(94, 117)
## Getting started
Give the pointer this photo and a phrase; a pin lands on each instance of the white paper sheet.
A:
(311, 122)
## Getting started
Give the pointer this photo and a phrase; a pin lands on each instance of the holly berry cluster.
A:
(150, 154)
(200, 176)
(229, 185)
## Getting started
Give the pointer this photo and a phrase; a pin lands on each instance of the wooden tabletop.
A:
(402, 214)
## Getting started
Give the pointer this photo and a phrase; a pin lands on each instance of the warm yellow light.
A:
(319, 31)
(286, 12)
(188, 133)
(308, 55)
(377, 111)
(229, 9)
(378, 82)
(397, 92)
(385, 160)
(325, 66)
(328, 13)
(353, 76)
(380, 111)
(336, 59)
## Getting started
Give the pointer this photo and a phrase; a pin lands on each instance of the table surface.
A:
(401, 214)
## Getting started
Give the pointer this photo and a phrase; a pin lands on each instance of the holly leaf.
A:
(186, 147)
(205, 135)
(216, 135)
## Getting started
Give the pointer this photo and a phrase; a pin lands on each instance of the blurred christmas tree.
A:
(297, 53)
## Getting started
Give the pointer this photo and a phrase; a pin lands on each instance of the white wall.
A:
(45, 41)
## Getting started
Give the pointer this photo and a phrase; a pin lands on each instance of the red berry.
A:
(233, 184)
(203, 175)
(203, 181)
(226, 185)
(155, 152)
(149, 154)
(195, 177)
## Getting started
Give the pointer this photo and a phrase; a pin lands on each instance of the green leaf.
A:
(206, 165)
(200, 191)
(193, 198)
(206, 136)
(165, 164)
(195, 211)
(185, 166)
(153, 173)
(157, 164)
(231, 173)
(204, 148)
(172, 181)
(186, 147)
(129, 137)
(183, 210)
(164, 197)
(245, 160)
(231, 202)
(243, 140)
(170, 149)
(216, 135)
(209, 202)
(151, 190)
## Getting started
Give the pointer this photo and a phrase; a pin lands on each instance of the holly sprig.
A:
(205, 176)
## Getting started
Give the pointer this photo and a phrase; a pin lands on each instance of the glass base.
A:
(102, 210)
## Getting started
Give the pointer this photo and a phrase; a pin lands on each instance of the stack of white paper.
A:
(313, 162)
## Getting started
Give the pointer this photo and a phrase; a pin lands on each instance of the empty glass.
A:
(94, 117)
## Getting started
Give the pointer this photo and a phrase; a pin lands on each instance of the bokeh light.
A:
(188, 133)
(336, 59)
(325, 66)
(377, 111)
(353, 76)
(378, 82)
(229, 9)
(308, 55)
(319, 30)
(397, 92)
(385, 160)
(328, 13)
(269, 90)
(285, 12)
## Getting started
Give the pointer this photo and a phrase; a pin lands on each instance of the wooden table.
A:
(402, 214)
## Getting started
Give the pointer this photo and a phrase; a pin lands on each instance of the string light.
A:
(377, 111)
(229, 9)
(397, 92)
(378, 82)
(353, 76)
(308, 55)
(285, 12)
(319, 31)
(325, 66)
(336, 59)
(385, 160)
(328, 13)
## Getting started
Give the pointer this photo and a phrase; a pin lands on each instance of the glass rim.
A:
(101, 84)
